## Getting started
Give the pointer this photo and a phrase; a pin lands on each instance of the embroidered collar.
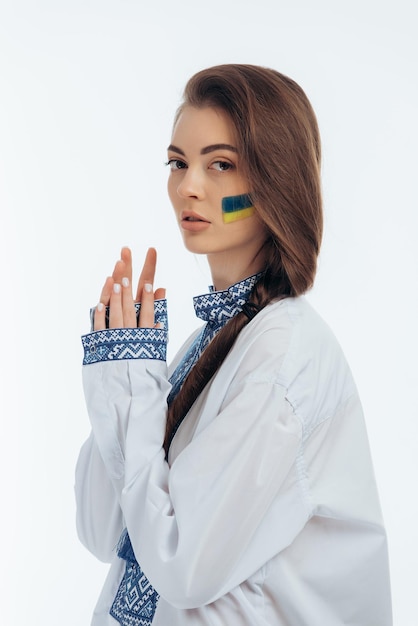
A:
(217, 307)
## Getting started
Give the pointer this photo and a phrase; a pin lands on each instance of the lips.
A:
(191, 216)
(193, 222)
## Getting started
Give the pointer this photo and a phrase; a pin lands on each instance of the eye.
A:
(222, 166)
(176, 164)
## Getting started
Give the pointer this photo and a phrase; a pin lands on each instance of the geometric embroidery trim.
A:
(218, 307)
(136, 599)
(186, 364)
(115, 344)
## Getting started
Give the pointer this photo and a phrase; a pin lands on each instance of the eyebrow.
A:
(218, 146)
(207, 149)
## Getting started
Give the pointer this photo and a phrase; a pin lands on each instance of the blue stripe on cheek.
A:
(236, 208)
(236, 203)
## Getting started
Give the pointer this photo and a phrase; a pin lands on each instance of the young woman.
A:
(236, 487)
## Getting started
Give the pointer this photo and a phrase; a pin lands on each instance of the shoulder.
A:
(288, 332)
(293, 315)
(290, 344)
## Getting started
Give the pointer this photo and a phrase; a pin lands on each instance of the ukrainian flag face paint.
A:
(236, 208)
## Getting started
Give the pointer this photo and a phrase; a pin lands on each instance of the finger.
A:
(146, 314)
(99, 317)
(107, 291)
(148, 317)
(126, 257)
(123, 267)
(128, 307)
(159, 294)
(115, 312)
(119, 271)
(148, 272)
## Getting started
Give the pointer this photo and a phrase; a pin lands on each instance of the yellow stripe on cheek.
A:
(233, 216)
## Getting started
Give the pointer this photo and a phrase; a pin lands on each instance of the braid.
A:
(270, 287)
(279, 145)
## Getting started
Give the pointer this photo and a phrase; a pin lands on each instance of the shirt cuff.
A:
(116, 344)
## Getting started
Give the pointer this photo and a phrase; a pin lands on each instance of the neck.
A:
(227, 271)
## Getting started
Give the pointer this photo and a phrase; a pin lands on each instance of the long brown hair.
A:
(279, 147)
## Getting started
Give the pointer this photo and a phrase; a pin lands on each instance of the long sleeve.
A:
(99, 517)
(196, 528)
(204, 526)
(100, 469)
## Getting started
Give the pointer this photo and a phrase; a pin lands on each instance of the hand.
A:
(117, 294)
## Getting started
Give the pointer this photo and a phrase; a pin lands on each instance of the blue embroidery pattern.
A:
(136, 600)
(216, 308)
(128, 343)
(220, 306)
(124, 343)
(185, 365)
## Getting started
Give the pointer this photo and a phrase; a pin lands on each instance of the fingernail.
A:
(148, 287)
(100, 307)
(116, 288)
(125, 282)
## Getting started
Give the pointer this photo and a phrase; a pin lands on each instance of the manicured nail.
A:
(148, 287)
(100, 307)
(116, 288)
(125, 282)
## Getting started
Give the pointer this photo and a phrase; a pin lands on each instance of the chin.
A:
(195, 249)
(192, 244)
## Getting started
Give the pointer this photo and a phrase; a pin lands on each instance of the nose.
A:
(191, 184)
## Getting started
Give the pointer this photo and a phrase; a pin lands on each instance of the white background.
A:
(88, 90)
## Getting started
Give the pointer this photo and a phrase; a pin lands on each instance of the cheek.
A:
(250, 229)
(236, 208)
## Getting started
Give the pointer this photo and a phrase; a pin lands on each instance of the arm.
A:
(99, 517)
(100, 467)
(231, 499)
(228, 504)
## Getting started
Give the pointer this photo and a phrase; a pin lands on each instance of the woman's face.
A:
(205, 168)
